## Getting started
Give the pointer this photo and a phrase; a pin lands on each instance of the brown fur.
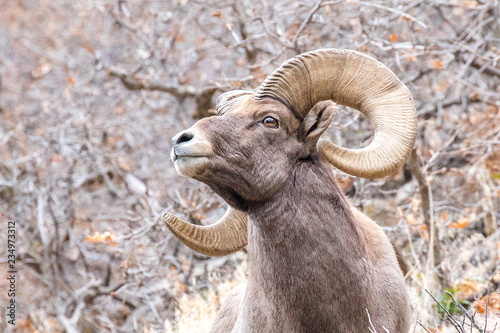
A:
(317, 263)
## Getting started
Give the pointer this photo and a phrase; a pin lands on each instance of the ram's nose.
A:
(181, 137)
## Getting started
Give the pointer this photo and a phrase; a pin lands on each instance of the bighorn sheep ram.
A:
(317, 263)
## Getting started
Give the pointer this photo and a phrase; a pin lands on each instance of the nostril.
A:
(185, 137)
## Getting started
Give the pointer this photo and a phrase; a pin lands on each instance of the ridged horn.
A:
(229, 234)
(360, 82)
(228, 100)
(226, 236)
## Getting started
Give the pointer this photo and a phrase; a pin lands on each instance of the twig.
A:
(465, 312)
(304, 24)
(420, 175)
(432, 109)
(452, 320)
(392, 10)
(418, 316)
(136, 83)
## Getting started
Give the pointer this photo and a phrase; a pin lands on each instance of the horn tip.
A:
(169, 219)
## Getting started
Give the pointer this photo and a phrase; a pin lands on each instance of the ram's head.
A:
(249, 151)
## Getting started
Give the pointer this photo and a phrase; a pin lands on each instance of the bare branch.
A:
(136, 83)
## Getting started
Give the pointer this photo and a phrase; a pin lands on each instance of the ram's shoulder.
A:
(378, 245)
(230, 310)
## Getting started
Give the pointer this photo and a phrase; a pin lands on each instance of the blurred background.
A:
(91, 93)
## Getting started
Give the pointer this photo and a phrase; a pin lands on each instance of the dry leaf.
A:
(415, 204)
(113, 140)
(199, 216)
(180, 287)
(460, 224)
(436, 64)
(467, 289)
(469, 4)
(411, 219)
(41, 71)
(474, 95)
(217, 13)
(120, 111)
(106, 237)
(441, 87)
(124, 163)
(496, 278)
(423, 232)
(56, 159)
(492, 301)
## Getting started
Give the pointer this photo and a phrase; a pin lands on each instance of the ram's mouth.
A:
(190, 163)
(176, 157)
(185, 153)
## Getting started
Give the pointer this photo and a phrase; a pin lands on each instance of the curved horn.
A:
(224, 237)
(228, 100)
(358, 81)
(229, 234)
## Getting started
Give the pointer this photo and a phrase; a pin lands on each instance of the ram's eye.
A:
(270, 122)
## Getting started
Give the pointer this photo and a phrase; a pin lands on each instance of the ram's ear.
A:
(317, 121)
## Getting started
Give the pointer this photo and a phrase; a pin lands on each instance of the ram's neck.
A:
(312, 208)
(305, 248)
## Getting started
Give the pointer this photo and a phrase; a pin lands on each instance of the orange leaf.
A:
(460, 224)
(444, 215)
(474, 95)
(105, 237)
(415, 203)
(492, 301)
(393, 38)
(217, 13)
(437, 64)
(56, 159)
(71, 80)
(199, 216)
(423, 232)
(411, 219)
(467, 289)
(181, 287)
